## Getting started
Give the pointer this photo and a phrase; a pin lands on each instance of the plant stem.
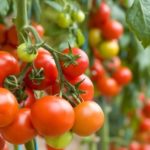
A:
(105, 130)
(30, 145)
(16, 147)
(22, 17)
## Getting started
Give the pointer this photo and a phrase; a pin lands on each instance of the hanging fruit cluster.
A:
(108, 72)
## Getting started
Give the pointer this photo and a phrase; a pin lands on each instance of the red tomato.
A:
(123, 75)
(89, 118)
(8, 107)
(145, 124)
(74, 70)
(108, 86)
(2, 142)
(86, 86)
(21, 130)
(45, 61)
(56, 116)
(97, 70)
(112, 29)
(39, 29)
(145, 147)
(51, 148)
(134, 146)
(30, 100)
(146, 109)
(12, 36)
(7, 47)
(2, 33)
(5, 147)
(9, 65)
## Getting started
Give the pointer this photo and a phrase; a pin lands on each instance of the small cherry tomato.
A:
(12, 36)
(74, 70)
(64, 20)
(145, 124)
(109, 49)
(86, 86)
(134, 146)
(9, 65)
(23, 125)
(8, 107)
(59, 141)
(108, 86)
(55, 118)
(145, 147)
(39, 28)
(123, 75)
(89, 118)
(78, 16)
(112, 29)
(146, 109)
(25, 53)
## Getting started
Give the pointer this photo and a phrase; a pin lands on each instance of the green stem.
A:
(16, 147)
(21, 19)
(30, 145)
(105, 130)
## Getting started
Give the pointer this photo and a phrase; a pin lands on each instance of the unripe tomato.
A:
(108, 86)
(12, 36)
(59, 141)
(109, 49)
(9, 65)
(80, 37)
(86, 86)
(97, 70)
(64, 20)
(55, 118)
(74, 70)
(78, 16)
(25, 53)
(94, 37)
(8, 107)
(89, 118)
(2, 33)
(21, 129)
(123, 75)
(112, 29)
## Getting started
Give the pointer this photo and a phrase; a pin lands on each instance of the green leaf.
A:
(4, 7)
(54, 5)
(138, 19)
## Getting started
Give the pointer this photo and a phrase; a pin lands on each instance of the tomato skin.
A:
(2, 142)
(43, 60)
(24, 55)
(51, 148)
(134, 146)
(9, 64)
(73, 71)
(145, 147)
(86, 86)
(97, 70)
(39, 28)
(145, 124)
(146, 109)
(87, 114)
(78, 16)
(109, 49)
(55, 118)
(8, 107)
(108, 86)
(12, 36)
(23, 125)
(123, 75)
(112, 29)
(30, 100)
(2, 33)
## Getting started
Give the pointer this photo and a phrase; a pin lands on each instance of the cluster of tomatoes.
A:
(107, 70)
(66, 106)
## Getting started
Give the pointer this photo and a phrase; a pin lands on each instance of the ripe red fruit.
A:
(146, 108)
(134, 146)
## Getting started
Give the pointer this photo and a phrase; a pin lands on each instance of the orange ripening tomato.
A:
(108, 86)
(89, 118)
(21, 130)
(86, 86)
(8, 107)
(2, 33)
(52, 116)
(123, 75)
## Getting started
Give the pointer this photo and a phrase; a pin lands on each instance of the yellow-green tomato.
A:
(64, 20)
(78, 16)
(80, 37)
(59, 141)
(25, 54)
(109, 49)
(95, 37)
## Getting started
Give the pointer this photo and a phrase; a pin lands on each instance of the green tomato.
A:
(64, 20)
(59, 141)
(25, 54)
(80, 37)
(78, 16)
(109, 49)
